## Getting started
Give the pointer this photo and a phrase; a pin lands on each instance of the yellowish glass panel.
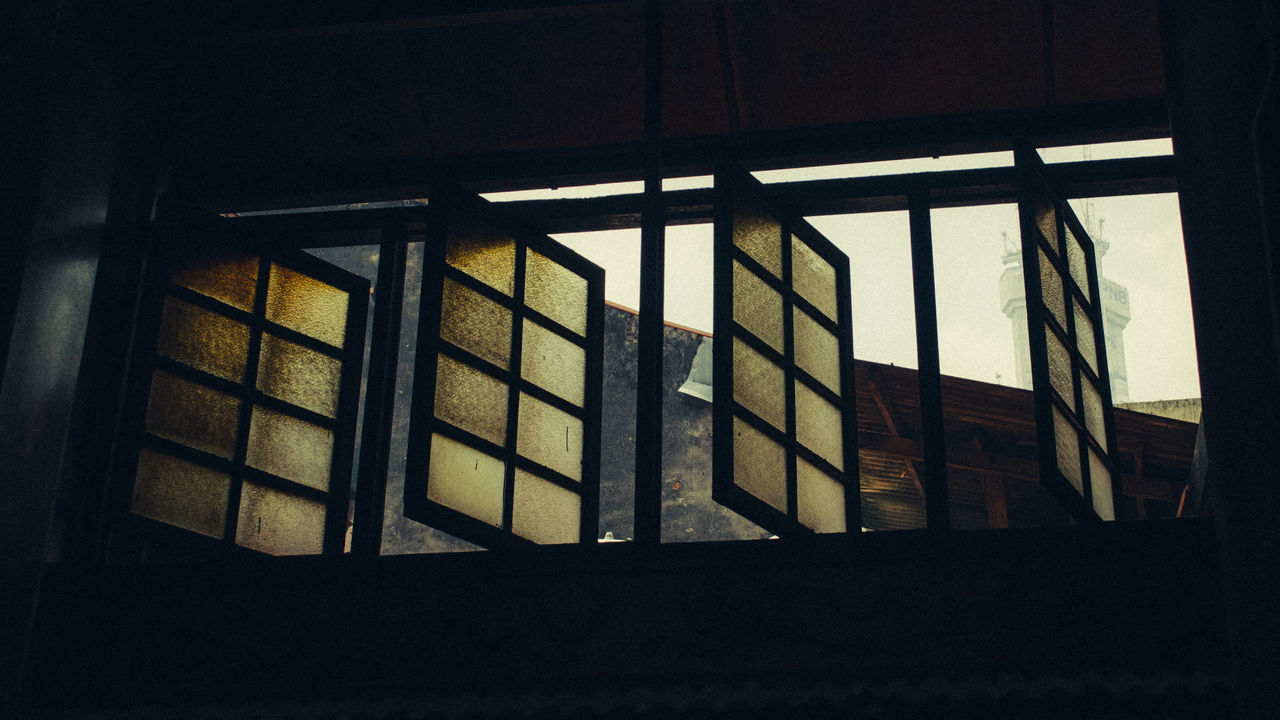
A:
(757, 307)
(1084, 338)
(1093, 417)
(303, 303)
(1077, 263)
(1068, 448)
(758, 233)
(813, 277)
(549, 436)
(470, 399)
(817, 351)
(1061, 375)
(1047, 220)
(180, 493)
(475, 323)
(290, 448)
(232, 280)
(545, 512)
(279, 523)
(759, 465)
(1051, 290)
(203, 340)
(484, 253)
(192, 414)
(555, 291)
(553, 363)
(818, 426)
(819, 499)
(1100, 485)
(759, 385)
(465, 479)
(299, 375)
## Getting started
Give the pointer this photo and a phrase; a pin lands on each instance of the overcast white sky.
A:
(975, 338)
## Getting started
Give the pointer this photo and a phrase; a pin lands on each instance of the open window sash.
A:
(785, 425)
(246, 390)
(1074, 419)
(504, 438)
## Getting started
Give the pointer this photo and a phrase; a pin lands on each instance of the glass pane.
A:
(758, 385)
(203, 340)
(180, 493)
(819, 499)
(303, 303)
(813, 277)
(553, 363)
(759, 465)
(465, 479)
(233, 280)
(1077, 263)
(1100, 485)
(470, 399)
(192, 414)
(290, 448)
(549, 436)
(475, 323)
(482, 252)
(1047, 221)
(818, 426)
(1060, 374)
(279, 523)
(1051, 290)
(299, 375)
(817, 351)
(1068, 448)
(545, 512)
(757, 307)
(758, 233)
(555, 291)
(1084, 338)
(1093, 413)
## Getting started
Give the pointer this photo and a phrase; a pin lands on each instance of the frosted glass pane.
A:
(545, 512)
(555, 291)
(759, 465)
(290, 448)
(482, 252)
(299, 375)
(192, 414)
(1077, 264)
(819, 499)
(813, 277)
(1068, 449)
(475, 323)
(817, 351)
(549, 436)
(553, 363)
(279, 523)
(1051, 290)
(180, 493)
(233, 280)
(470, 399)
(758, 385)
(1100, 485)
(1093, 413)
(758, 233)
(1084, 338)
(1060, 374)
(305, 304)
(757, 307)
(465, 479)
(1047, 221)
(818, 426)
(203, 340)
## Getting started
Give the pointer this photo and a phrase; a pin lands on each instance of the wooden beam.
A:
(993, 493)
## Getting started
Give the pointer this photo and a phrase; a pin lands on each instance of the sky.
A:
(975, 337)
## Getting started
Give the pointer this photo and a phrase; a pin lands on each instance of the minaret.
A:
(1013, 303)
